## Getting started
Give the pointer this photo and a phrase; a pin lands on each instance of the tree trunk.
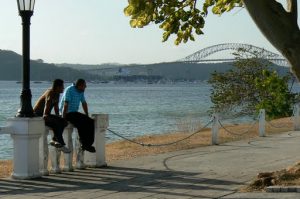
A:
(279, 26)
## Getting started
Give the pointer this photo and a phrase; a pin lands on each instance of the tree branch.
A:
(195, 4)
(293, 9)
(271, 18)
(279, 27)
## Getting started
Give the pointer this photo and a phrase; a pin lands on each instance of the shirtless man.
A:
(43, 108)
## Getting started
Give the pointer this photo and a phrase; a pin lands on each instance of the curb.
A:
(283, 189)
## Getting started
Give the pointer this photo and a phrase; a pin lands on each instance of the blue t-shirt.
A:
(73, 97)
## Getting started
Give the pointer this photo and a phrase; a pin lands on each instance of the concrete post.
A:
(296, 118)
(54, 158)
(79, 153)
(215, 129)
(98, 159)
(26, 135)
(44, 152)
(262, 122)
(68, 157)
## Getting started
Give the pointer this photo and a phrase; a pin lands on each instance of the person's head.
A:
(58, 85)
(80, 85)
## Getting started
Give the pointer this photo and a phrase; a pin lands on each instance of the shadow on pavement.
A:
(111, 180)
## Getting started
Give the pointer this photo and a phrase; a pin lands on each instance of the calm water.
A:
(134, 109)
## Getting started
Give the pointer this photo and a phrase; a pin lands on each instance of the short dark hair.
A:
(57, 83)
(79, 82)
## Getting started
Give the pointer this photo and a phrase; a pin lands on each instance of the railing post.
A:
(79, 153)
(98, 159)
(44, 152)
(26, 135)
(55, 158)
(68, 157)
(262, 122)
(296, 117)
(215, 129)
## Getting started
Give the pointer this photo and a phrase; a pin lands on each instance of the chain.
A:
(170, 143)
(237, 134)
(158, 145)
(272, 125)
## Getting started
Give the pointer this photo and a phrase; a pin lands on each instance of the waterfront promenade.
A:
(205, 172)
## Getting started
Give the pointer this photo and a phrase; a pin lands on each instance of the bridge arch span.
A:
(205, 52)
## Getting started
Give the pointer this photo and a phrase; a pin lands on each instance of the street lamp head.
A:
(26, 5)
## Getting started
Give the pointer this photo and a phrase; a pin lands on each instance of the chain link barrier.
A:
(205, 126)
(158, 145)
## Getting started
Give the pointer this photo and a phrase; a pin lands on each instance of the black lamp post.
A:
(26, 10)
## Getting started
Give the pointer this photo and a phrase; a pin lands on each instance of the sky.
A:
(97, 32)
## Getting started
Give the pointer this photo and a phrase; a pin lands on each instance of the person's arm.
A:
(65, 109)
(84, 105)
(85, 108)
(64, 104)
(47, 105)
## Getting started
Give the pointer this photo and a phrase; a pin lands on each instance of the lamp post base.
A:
(26, 135)
(26, 107)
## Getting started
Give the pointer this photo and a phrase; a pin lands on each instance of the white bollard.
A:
(98, 159)
(68, 157)
(26, 135)
(262, 122)
(296, 118)
(44, 152)
(215, 130)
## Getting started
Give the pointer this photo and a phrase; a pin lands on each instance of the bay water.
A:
(134, 109)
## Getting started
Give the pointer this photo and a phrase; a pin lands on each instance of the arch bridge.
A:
(200, 55)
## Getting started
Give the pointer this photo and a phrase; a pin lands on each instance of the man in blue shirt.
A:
(71, 99)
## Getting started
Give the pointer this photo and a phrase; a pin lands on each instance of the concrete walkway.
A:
(206, 172)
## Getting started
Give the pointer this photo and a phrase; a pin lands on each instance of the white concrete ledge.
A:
(32, 151)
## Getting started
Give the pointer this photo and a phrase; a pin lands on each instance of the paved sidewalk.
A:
(206, 172)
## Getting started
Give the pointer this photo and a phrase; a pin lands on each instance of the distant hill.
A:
(170, 71)
(11, 69)
(91, 66)
(187, 71)
(196, 71)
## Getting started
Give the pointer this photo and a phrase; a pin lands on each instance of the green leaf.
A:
(176, 15)
(133, 23)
